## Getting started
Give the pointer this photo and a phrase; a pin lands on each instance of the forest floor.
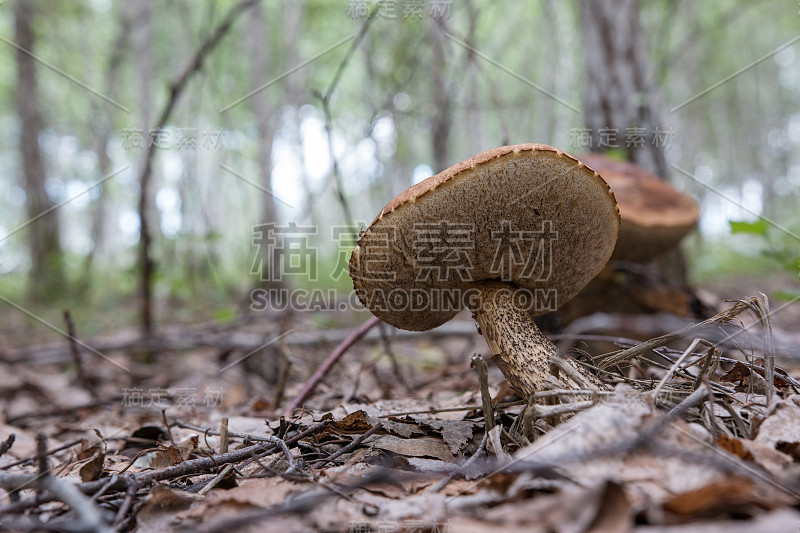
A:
(191, 432)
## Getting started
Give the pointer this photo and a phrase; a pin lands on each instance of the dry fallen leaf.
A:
(456, 433)
(417, 447)
(93, 468)
(161, 508)
(719, 497)
(781, 428)
(353, 424)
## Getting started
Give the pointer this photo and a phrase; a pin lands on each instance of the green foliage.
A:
(778, 244)
(759, 227)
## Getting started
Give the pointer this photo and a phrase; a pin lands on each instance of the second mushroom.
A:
(512, 232)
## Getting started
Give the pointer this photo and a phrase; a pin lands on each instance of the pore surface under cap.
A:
(528, 214)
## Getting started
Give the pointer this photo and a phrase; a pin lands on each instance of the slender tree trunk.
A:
(47, 263)
(618, 93)
(148, 221)
(100, 211)
(259, 58)
(177, 87)
(443, 118)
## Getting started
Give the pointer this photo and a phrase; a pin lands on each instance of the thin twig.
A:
(335, 355)
(146, 264)
(272, 449)
(83, 379)
(127, 504)
(41, 454)
(223, 435)
(166, 425)
(644, 347)
(7, 444)
(292, 465)
(482, 369)
(50, 452)
(675, 366)
(538, 395)
(215, 481)
(214, 432)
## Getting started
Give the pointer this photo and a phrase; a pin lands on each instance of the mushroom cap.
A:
(528, 215)
(655, 216)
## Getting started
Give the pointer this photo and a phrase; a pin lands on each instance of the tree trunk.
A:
(47, 262)
(619, 98)
(618, 95)
(148, 218)
(442, 119)
(105, 120)
(259, 59)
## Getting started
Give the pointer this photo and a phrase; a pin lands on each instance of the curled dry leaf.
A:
(93, 468)
(353, 424)
(187, 446)
(161, 458)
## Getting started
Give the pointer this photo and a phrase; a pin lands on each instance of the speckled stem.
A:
(521, 351)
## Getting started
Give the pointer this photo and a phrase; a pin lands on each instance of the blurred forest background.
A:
(213, 117)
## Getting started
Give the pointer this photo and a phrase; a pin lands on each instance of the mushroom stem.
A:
(519, 348)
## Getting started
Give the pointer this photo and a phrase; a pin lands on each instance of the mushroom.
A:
(654, 215)
(512, 232)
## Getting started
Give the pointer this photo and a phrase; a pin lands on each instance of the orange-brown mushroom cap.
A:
(655, 216)
(528, 215)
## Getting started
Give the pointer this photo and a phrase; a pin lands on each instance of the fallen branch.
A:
(189, 338)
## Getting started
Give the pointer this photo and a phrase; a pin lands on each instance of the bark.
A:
(619, 95)
(618, 91)
(47, 263)
(144, 74)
